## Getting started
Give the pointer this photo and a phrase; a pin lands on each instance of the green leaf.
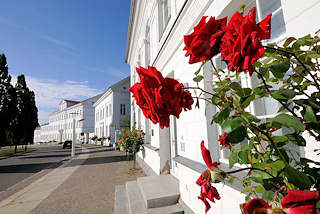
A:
(245, 103)
(283, 94)
(279, 69)
(214, 100)
(229, 125)
(289, 41)
(198, 78)
(297, 178)
(221, 115)
(309, 115)
(267, 196)
(237, 87)
(236, 132)
(238, 135)
(289, 121)
(288, 93)
(233, 159)
(316, 56)
(296, 139)
(272, 183)
(243, 156)
(280, 140)
(278, 96)
(272, 167)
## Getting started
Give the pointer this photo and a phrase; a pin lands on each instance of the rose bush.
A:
(131, 141)
(277, 179)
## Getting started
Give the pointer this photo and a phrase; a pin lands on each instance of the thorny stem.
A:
(201, 89)
(216, 71)
(249, 168)
(297, 58)
(282, 103)
(273, 144)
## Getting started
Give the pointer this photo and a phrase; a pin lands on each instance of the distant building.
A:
(37, 135)
(60, 123)
(44, 132)
(112, 111)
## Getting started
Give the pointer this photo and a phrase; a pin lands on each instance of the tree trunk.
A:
(25, 148)
(134, 160)
(15, 148)
(2, 138)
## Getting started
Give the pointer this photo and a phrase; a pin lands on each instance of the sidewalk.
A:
(84, 184)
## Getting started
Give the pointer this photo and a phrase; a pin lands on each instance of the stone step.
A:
(159, 191)
(135, 199)
(121, 200)
(173, 209)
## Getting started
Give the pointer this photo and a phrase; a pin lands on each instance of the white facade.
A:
(37, 135)
(112, 111)
(155, 37)
(60, 123)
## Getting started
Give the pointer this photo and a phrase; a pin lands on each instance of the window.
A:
(264, 7)
(163, 16)
(122, 109)
(269, 106)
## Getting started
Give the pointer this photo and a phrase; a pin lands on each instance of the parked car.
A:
(67, 144)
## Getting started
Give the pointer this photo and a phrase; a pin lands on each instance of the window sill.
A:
(147, 145)
(199, 167)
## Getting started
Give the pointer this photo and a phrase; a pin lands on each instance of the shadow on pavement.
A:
(36, 167)
(26, 168)
(97, 160)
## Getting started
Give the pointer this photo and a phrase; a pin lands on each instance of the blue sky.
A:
(69, 49)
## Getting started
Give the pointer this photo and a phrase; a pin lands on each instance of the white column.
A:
(73, 138)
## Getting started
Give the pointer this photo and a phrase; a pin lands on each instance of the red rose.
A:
(241, 45)
(295, 202)
(207, 190)
(207, 157)
(224, 141)
(256, 206)
(160, 97)
(300, 202)
(205, 40)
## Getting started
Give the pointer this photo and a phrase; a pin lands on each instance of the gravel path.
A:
(90, 189)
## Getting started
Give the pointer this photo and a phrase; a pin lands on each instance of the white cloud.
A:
(115, 72)
(50, 92)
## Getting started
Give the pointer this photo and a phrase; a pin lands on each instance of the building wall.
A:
(61, 122)
(166, 54)
(108, 117)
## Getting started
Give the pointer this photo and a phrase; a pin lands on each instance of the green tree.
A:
(7, 101)
(26, 118)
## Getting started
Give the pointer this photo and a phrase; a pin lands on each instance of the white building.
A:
(60, 126)
(112, 111)
(155, 37)
(37, 135)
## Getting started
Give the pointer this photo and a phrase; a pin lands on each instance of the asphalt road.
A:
(15, 169)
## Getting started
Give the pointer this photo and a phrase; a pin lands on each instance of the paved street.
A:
(18, 168)
(84, 184)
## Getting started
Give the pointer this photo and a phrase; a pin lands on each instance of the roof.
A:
(111, 88)
(76, 103)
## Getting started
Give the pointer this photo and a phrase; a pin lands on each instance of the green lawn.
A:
(8, 152)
